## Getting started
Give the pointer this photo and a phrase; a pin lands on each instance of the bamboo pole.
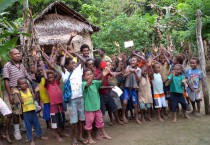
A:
(202, 62)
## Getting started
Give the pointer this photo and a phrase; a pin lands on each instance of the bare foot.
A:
(106, 136)
(149, 118)
(143, 120)
(160, 119)
(32, 142)
(120, 122)
(186, 116)
(44, 137)
(193, 112)
(111, 123)
(99, 137)
(125, 120)
(74, 142)
(65, 134)
(174, 120)
(164, 117)
(138, 121)
(91, 141)
(7, 138)
(59, 139)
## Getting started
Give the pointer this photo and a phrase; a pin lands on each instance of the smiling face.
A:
(87, 75)
(23, 84)
(86, 52)
(193, 64)
(133, 62)
(177, 70)
(157, 68)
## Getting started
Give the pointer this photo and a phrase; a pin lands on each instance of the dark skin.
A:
(194, 65)
(86, 52)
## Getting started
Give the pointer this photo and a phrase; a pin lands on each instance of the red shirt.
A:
(105, 83)
(54, 92)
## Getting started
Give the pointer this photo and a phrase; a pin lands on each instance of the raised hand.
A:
(73, 33)
(106, 71)
(116, 44)
(119, 57)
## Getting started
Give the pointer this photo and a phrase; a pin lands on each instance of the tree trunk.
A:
(202, 62)
(27, 42)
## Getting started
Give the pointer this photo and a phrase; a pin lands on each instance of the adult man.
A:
(103, 55)
(13, 70)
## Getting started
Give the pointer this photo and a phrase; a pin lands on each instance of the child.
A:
(145, 94)
(92, 104)
(194, 76)
(56, 108)
(132, 74)
(177, 83)
(85, 50)
(73, 73)
(159, 96)
(26, 98)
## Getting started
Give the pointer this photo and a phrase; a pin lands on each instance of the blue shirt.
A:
(194, 76)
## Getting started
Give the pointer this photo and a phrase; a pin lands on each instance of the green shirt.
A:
(91, 95)
(176, 84)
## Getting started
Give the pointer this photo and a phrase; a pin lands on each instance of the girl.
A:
(26, 98)
(159, 96)
(145, 94)
(92, 104)
(132, 74)
(56, 108)
(177, 83)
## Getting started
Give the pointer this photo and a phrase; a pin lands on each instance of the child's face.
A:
(23, 84)
(90, 64)
(133, 62)
(144, 72)
(157, 68)
(193, 64)
(88, 75)
(86, 52)
(177, 70)
(162, 59)
(175, 61)
(51, 77)
(109, 65)
(39, 71)
(71, 65)
(122, 66)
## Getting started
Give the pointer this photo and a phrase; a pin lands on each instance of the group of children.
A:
(84, 88)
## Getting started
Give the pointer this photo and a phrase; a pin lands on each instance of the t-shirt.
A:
(13, 73)
(194, 76)
(28, 101)
(91, 95)
(75, 80)
(131, 81)
(176, 84)
(157, 84)
(43, 92)
(54, 92)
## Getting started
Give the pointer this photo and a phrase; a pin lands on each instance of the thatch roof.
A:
(54, 24)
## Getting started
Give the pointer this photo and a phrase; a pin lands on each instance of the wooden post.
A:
(202, 62)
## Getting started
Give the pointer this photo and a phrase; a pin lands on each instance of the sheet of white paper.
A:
(128, 44)
(117, 90)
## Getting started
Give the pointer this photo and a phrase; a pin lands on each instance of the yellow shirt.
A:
(164, 71)
(43, 92)
(28, 101)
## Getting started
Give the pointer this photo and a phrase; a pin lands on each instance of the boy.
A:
(194, 76)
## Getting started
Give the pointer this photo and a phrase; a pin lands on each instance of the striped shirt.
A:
(13, 73)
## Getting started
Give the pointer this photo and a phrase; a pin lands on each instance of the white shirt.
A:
(157, 84)
(75, 80)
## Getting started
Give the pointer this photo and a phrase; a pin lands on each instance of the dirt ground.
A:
(193, 131)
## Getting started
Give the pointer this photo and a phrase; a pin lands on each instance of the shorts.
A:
(177, 98)
(131, 94)
(107, 103)
(4, 109)
(46, 112)
(116, 99)
(57, 120)
(144, 106)
(159, 100)
(194, 96)
(16, 108)
(76, 110)
(93, 116)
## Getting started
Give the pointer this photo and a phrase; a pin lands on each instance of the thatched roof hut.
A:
(55, 23)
